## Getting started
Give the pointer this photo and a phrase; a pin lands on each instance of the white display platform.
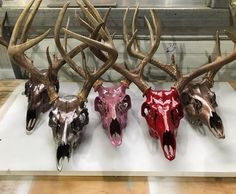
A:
(197, 154)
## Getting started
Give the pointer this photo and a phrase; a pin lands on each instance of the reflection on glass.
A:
(161, 3)
(120, 3)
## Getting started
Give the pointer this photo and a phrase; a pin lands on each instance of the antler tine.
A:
(96, 14)
(213, 66)
(85, 24)
(97, 33)
(85, 67)
(25, 31)
(2, 25)
(150, 31)
(209, 76)
(19, 22)
(134, 27)
(125, 29)
(218, 49)
(89, 13)
(17, 51)
(65, 36)
(88, 26)
(109, 48)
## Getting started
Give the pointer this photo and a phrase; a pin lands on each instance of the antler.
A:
(66, 57)
(16, 51)
(136, 52)
(108, 46)
(3, 40)
(135, 75)
(213, 66)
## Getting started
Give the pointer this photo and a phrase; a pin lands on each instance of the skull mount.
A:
(163, 112)
(67, 120)
(200, 104)
(113, 104)
(38, 101)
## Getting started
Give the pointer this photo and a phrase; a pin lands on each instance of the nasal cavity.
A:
(115, 127)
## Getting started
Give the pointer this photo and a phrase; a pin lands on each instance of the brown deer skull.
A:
(200, 104)
(38, 101)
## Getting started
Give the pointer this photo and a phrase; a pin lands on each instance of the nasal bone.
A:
(113, 112)
(64, 139)
(166, 124)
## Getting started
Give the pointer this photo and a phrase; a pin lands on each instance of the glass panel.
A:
(161, 3)
(118, 3)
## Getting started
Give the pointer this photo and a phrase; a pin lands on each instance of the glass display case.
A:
(129, 99)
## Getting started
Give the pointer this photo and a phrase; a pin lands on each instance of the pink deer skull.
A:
(113, 104)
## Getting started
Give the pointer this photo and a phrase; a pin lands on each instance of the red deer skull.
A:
(163, 112)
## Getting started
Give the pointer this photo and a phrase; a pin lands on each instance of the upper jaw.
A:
(63, 152)
(168, 143)
(115, 133)
(216, 126)
(31, 120)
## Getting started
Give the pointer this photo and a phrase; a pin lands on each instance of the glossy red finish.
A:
(163, 112)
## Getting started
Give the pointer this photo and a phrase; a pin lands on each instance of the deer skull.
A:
(163, 112)
(67, 120)
(38, 101)
(113, 104)
(200, 105)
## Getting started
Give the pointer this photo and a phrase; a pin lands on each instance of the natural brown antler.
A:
(211, 67)
(66, 56)
(91, 78)
(209, 76)
(3, 40)
(135, 76)
(133, 47)
(16, 51)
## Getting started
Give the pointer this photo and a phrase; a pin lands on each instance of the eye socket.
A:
(213, 98)
(145, 109)
(174, 114)
(100, 106)
(197, 104)
(53, 122)
(83, 117)
(74, 126)
(125, 104)
(127, 101)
